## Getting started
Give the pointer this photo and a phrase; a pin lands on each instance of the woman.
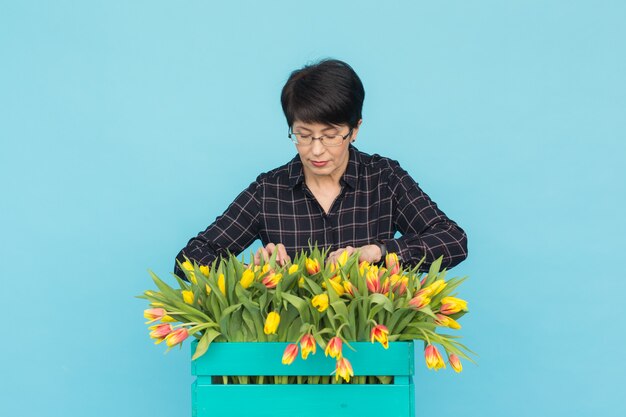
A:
(331, 194)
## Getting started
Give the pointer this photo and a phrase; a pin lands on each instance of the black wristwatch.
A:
(383, 250)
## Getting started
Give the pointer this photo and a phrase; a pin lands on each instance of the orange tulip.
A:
(333, 348)
(392, 263)
(379, 333)
(343, 369)
(154, 314)
(291, 351)
(312, 266)
(433, 358)
(177, 336)
(419, 301)
(307, 343)
(455, 363)
(372, 279)
(272, 280)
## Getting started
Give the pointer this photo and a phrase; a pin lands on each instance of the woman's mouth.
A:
(319, 164)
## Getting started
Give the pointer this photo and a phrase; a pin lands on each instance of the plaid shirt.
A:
(377, 199)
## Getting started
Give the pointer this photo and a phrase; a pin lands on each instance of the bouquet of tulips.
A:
(310, 302)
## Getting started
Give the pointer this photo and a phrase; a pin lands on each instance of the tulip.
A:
(363, 267)
(247, 278)
(221, 283)
(160, 331)
(320, 302)
(348, 287)
(272, 280)
(446, 321)
(455, 363)
(372, 279)
(187, 266)
(335, 283)
(433, 289)
(168, 319)
(187, 296)
(343, 369)
(271, 323)
(301, 282)
(312, 266)
(433, 358)
(333, 348)
(419, 301)
(452, 305)
(291, 351)
(343, 258)
(207, 288)
(379, 333)
(205, 270)
(307, 343)
(293, 269)
(392, 263)
(176, 337)
(153, 314)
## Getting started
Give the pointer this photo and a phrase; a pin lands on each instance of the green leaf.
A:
(204, 343)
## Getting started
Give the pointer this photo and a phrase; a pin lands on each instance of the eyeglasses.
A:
(327, 140)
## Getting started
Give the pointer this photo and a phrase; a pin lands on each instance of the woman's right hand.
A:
(265, 253)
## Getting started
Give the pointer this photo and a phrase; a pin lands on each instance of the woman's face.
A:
(319, 160)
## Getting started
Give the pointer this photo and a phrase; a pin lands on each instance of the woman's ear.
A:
(355, 131)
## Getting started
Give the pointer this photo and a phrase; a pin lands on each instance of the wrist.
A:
(383, 250)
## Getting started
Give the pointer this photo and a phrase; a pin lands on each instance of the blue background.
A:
(127, 127)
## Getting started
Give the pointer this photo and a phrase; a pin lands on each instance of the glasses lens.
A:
(302, 139)
(334, 140)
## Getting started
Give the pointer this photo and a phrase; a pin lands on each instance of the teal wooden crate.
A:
(292, 400)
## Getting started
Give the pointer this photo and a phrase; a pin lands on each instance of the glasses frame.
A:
(294, 139)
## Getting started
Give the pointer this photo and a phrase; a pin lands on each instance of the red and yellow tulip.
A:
(272, 280)
(445, 321)
(392, 263)
(343, 369)
(307, 343)
(160, 331)
(433, 358)
(452, 305)
(177, 336)
(455, 363)
(312, 266)
(154, 314)
(291, 351)
(333, 348)
(379, 333)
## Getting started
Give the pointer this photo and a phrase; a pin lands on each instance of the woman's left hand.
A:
(369, 253)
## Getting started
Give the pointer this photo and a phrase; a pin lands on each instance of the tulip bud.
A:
(187, 296)
(176, 337)
(379, 333)
(433, 358)
(348, 287)
(320, 302)
(312, 266)
(160, 331)
(247, 278)
(343, 369)
(307, 343)
(221, 283)
(291, 351)
(335, 283)
(446, 321)
(455, 363)
(392, 263)
(452, 305)
(333, 348)
(293, 269)
(205, 270)
(433, 289)
(343, 258)
(419, 301)
(153, 314)
(271, 323)
(372, 279)
(272, 280)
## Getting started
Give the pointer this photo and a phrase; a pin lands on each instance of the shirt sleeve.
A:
(426, 230)
(233, 231)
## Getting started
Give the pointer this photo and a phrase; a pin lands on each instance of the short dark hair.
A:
(328, 91)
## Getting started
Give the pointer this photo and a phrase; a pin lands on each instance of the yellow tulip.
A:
(312, 266)
(247, 278)
(187, 296)
(343, 258)
(208, 289)
(446, 321)
(168, 319)
(293, 269)
(335, 283)
(221, 283)
(205, 270)
(320, 302)
(452, 305)
(271, 323)
(433, 289)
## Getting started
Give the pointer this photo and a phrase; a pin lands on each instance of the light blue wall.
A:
(126, 127)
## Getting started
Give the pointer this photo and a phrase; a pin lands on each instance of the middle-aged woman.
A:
(330, 193)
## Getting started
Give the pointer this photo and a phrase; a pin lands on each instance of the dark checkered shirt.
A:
(377, 199)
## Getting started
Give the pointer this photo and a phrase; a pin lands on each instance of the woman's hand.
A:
(281, 256)
(369, 253)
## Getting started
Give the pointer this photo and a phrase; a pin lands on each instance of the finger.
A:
(282, 254)
(269, 251)
(257, 257)
(265, 254)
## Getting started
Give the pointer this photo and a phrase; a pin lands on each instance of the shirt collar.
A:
(296, 174)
